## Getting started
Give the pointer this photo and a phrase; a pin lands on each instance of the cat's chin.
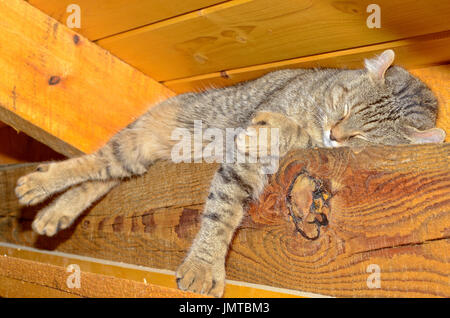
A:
(327, 142)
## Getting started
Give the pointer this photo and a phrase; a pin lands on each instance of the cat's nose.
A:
(336, 134)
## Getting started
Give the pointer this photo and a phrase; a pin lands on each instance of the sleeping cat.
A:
(380, 104)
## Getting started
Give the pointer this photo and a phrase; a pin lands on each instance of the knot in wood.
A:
(307, 201)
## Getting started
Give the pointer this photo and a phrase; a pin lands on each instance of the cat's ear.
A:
(432, 135)
(377, 66)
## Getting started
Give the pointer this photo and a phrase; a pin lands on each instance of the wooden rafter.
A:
(61, 89)
(412, 53)
(242, 33)
(104, 18)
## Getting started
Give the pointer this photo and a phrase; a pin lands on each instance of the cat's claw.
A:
(199, 277)
(31, 188)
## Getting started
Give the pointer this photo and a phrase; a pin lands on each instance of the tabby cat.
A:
(379, 104)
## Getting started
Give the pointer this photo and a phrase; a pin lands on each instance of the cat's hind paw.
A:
(31, 189)
(51, 220)
(199, 277)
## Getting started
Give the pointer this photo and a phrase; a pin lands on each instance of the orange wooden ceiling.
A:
(172, 40)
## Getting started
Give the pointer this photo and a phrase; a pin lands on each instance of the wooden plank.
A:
(122, 270)
(242, 33)
(17, 275)
(102, 18)
(417, 52)
(14, 288)
(57, 85)
(388, 206)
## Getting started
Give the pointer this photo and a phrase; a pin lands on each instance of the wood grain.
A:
(412, 53)
(25, 278)
(121, 270)
(61, 89)
(242, 33)
(388, 206)
(102, 18)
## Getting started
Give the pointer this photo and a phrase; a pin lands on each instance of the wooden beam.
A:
(102, 18)
(242, 33)
(417, 52)
(61, 89)
(387, 206)
(24, 278)
(140, 274)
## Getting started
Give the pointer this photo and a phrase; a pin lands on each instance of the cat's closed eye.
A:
(346, 112)
(356, 135)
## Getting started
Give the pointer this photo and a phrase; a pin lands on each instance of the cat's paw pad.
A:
(199, 277)
(50, 221)
(31, 189)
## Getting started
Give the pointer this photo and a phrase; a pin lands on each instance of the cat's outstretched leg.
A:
(64, 210)
(233, 187)
(130, 152)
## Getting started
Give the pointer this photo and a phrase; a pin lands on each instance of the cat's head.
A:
(383, 104)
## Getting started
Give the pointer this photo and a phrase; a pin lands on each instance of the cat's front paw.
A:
(255, 141)
(200, 277)
(32, 189)
(269, 135)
